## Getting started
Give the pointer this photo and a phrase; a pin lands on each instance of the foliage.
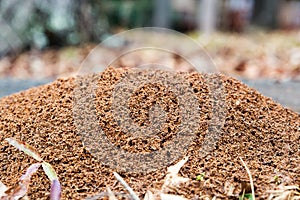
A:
(21, 190)
(247, 196)
(40, 24)
(200, 177)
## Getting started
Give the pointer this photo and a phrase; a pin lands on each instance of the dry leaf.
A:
(171, 197)
(172, 178)
(149, 195)
(3, 189)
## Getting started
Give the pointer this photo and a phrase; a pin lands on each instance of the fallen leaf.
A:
(149, 195)
(55, 191)
(171, 197)
(50, 172)
(3, 189)
(21, 190)
(172, 179)
(26, 148)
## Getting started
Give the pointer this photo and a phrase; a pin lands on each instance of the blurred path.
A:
(285, 93)
(10, 86)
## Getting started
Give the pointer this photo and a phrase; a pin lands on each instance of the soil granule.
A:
(258, 130)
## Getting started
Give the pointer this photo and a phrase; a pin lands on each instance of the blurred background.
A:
(247, 39)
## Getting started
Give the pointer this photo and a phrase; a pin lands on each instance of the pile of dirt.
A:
(258, 130)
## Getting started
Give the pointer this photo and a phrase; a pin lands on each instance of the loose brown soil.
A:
(263, 133)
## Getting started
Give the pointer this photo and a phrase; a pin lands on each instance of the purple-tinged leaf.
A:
(26, 148)
(55, 191)
(21, 190)
(55, 185)
(30, 171)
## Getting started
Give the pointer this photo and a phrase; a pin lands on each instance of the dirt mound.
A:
(264, 134)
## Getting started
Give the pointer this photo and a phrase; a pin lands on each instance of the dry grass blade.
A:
(129, 189)
(97, 196)
(250, 177)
